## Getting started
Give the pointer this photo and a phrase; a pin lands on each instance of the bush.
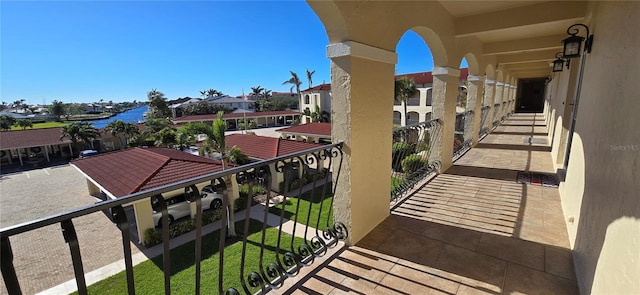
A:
(413, 163)
(152, 237)
(398, 151)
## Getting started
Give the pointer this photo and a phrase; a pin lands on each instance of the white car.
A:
(178, 206)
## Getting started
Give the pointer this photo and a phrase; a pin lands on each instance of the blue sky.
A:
(84, 51)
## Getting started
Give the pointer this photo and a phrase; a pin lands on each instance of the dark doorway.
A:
(530, 95)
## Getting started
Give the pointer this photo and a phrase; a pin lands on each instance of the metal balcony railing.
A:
(313, 172)
(496, 118)
(410, 155)
(484, 116)
(460, 143)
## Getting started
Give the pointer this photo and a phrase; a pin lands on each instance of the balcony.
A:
(471, 229)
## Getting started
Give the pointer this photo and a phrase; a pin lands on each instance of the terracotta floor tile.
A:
(559, 262)
(472, 265)
(524, 280)
(416, 248)
(512, 249)
(403, 279)
(453, 235)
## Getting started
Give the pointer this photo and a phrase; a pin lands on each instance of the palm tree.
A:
(126, 129)
(216, 142)
(212, 92)
(158, 104)
(24, 123)
(295, 81)
(203, 93)
(309, 77)
(80, 131)
(404, 88)
(57, 109)
(256, 91)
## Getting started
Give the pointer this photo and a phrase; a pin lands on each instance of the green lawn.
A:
(304, 216)
(42, 125)
(149, 278)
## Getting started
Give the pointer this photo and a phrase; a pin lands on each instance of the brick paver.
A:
(41, 257)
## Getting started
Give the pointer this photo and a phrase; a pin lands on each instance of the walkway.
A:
(471, 230)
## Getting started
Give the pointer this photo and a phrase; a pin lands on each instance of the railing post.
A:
(70, 237)
(8, 270)
(120, 218)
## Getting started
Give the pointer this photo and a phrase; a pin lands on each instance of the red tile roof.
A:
(321, 87)
(419, 78)
(211, 117)
(262, 147)
(31, 138)
(133, 170)
(323, 129)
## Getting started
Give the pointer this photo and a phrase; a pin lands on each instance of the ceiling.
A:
(522, 36)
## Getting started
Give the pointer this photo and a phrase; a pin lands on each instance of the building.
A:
(310, 132)
(419, 107)
(233, 103)
(262, 119)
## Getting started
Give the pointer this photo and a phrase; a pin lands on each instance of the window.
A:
(306, 99)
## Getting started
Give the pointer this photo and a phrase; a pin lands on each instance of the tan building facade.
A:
(504, 44)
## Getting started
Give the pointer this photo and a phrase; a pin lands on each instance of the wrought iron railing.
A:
(484, 117)
(504, 111)
(272, 261)
(496, 118)
(410, 160)
(460, 143)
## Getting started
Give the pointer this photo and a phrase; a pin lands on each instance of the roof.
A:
(419, 78)
(128, 171)
(14, 115)
(31, 137)
(224, 99)
(262, 147)
(321, 87)
(211, 117)
(322, 129)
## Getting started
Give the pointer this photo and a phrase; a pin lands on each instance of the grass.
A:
(149, 278)
(306, 216)
(395, 182)
(42, 125)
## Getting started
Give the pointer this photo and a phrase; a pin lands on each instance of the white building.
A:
(418, 107)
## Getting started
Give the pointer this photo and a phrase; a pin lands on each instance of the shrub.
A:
(398, 151)
(152, 237)
(413, 163)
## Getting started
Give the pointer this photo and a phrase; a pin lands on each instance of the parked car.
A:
(179, 207)
(210, 198)
(88, 153)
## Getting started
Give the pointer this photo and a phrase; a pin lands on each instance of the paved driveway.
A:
(41, 257)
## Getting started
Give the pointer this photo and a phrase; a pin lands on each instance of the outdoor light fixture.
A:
(558, 64)
(573, 43)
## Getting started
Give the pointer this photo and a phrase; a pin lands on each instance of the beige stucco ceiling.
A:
(466, 8)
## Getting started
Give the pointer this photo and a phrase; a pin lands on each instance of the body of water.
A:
(131, 116)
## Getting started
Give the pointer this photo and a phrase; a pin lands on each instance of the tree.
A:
(256, 91)
(57, 108)
(294, 81)
(404, 88)
(317, 115)
(215, 142)
(309, 77)
(158, 104)
(127, 130)
(203, 108)
(165, 137)
(3, 106)
(203, 93)
(212, 92)
(71, 109)
(6, 122)
(80, 132)
(24, 123)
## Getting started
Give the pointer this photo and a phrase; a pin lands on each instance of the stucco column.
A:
(474, 102)
(144, 218)
(506, 94)
(445, 96)
(512, 103)
(489, 94)
(362, 80)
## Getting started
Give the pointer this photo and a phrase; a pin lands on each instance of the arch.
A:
(306, 99)
(435, 44)
(413, 117)
(429, 100)
(331, 17)
(472, 63)
(397, 117)
(490, 72)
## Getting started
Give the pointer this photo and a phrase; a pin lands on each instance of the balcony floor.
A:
(471, 230)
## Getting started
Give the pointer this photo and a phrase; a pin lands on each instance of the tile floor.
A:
(471, 230)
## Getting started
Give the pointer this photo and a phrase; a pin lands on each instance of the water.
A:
(130, 116)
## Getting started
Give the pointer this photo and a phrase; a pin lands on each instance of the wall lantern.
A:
(573, 43)
(558, 64)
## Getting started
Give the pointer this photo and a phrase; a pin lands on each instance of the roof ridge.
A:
(148, 178)
(278, 146)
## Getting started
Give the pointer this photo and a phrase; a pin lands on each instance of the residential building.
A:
(473, 228)
(233, 103)
(310, 132)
